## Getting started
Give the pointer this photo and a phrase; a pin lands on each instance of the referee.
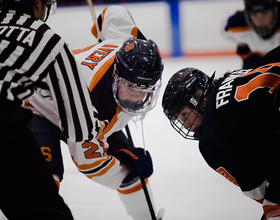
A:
(33, 56)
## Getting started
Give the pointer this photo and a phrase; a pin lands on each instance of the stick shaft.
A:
(148, 199)
(91, 9)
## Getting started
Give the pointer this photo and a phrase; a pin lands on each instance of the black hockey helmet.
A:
(139, 62)
(254, 6)
(259, 5)
(138, 72)
(186, 88)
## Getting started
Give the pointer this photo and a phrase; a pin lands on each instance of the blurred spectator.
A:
(255, 30)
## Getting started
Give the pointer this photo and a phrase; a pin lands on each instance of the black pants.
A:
(27, 188)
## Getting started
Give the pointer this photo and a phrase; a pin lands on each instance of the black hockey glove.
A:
(139, 163)
(247, 55)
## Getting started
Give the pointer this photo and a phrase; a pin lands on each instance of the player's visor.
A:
(132, 99)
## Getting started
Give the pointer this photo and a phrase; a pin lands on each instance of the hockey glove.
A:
(139, 163)
(247, 55)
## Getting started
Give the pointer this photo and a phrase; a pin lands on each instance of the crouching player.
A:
(123, 73)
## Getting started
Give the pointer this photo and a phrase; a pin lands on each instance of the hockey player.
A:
(236, 120)
(31, 54)
(123, 73)
(255, 30)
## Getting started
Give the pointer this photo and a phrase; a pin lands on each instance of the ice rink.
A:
(182, 182)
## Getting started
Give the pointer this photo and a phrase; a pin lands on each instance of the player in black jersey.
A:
(236, 120)
(31, 56)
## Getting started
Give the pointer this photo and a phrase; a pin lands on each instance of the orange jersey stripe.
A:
(103, 171)
(90, 166)
(94, 30)
(133, 189)
(267, 80)
(271, 211)
(239, 29)
(98, 75)
(134, 32)
(111, 124)
(82, 50)
(95, 164)
(103, 14)
(57, 183)
(28, 104)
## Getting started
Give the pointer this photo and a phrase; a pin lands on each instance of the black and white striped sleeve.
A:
(71, 97)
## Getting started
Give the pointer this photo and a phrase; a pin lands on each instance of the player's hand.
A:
(103, 125)
(137, 160)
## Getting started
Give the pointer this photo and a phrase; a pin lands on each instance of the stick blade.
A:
(160, 214)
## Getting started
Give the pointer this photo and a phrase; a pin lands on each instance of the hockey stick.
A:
(142, 179)
(91, 9)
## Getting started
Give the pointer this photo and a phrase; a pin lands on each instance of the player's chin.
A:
(194, 128)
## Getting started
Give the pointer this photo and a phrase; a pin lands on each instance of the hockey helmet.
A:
(186, 89)
(255, 6)
(137, 76)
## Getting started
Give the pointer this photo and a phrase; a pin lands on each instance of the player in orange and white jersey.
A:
(254, 30)
(123, 73)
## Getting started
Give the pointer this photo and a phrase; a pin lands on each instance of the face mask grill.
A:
(187, 123)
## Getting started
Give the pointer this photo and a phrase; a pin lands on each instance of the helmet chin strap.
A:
(48, 13)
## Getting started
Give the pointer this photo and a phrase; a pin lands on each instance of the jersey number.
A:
(46, 151)
(266, 79)
(90, 153)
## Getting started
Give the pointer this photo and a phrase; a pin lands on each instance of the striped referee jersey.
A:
(33, 56)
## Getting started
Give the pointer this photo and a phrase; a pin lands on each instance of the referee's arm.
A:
(72, 99)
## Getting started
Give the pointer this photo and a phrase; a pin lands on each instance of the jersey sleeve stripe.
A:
(99, 74)
(90, 166)
(99, 167)
(111, 124)
(132, 189)
(103, 171)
